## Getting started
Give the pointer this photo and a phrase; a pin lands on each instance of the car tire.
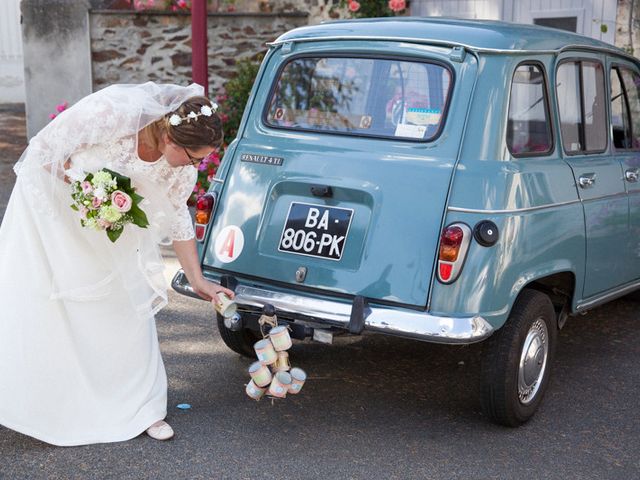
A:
(517, 359)
(633, 296)
(240, 341)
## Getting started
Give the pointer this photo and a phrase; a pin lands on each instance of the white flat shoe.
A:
(160, 431)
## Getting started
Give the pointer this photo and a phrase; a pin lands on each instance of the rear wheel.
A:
(633, 296)
(240, 341)
(517, 360)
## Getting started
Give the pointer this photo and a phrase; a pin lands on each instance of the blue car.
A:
(449, 181)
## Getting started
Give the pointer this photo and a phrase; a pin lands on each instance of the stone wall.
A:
(133, 47)
(627, 26)
(319, 10)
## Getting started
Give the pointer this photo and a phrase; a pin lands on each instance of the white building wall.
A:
(11, 64)
(473, 9)
(595, 18)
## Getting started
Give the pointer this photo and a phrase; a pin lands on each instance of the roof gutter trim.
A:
(445, 43)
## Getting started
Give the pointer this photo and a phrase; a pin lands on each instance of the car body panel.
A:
(379, 261)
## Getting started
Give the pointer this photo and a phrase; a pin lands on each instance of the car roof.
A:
(479, 35)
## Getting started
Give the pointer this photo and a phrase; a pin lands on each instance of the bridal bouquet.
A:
(107, 201)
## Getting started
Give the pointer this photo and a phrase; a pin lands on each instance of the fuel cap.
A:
(486, 233)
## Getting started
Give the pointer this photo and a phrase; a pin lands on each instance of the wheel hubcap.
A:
(533, 361)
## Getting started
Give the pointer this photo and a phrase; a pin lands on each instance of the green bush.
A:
(233, 100)
(231, 104)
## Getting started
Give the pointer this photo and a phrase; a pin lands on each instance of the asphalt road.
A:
(373, 407)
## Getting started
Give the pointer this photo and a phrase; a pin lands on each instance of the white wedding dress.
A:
(79, 355)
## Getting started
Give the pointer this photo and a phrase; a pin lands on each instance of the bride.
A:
(79, 355)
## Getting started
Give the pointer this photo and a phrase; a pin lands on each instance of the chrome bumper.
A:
(390, 321)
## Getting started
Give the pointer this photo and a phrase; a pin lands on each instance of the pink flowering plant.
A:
(107, 201)
(373, 8)
(59, 109)
(172, 5)
(206, 171)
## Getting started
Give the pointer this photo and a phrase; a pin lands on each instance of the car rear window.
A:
(361, 96)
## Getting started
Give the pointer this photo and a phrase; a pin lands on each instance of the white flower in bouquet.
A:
(91, 223)
(100, 193)
(103, 180)
(109, 213)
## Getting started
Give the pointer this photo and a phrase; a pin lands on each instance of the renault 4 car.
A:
(444, 180)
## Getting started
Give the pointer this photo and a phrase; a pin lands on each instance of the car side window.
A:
(581, 105)
(631, 81)
(528, 126)
(568, 91)
(620, 123)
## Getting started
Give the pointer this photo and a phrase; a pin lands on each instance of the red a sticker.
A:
(229, 244)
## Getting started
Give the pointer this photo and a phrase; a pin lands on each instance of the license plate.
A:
(316, 230)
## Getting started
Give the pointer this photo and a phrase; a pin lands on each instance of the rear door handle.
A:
(632, 174)
(587, 180)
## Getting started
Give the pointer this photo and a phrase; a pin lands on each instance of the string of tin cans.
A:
(272, 373)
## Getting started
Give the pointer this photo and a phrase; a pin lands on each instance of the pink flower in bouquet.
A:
(96, 202)
(121, 201)
(102, 223)
(86, 187)
(397, 5)
(354, 6)
(83, 211)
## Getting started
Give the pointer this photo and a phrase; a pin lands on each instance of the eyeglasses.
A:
(193, 160)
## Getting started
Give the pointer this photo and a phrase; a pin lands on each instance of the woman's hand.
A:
(187, 254)
(208, 290)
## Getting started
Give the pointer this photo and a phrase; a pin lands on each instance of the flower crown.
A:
(205, 110)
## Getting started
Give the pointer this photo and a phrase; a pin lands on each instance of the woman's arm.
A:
(187, 254)
(62, 175)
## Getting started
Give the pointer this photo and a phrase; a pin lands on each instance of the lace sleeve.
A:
(181, 189)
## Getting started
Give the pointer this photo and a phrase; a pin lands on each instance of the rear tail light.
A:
(454, 243)
(204, 210)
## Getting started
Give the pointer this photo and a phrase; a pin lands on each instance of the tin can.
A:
(265, 352)
(282, 363)
(280, 385)
(280, 338)
(224, 305)
(298, 377)
(254, 391)
(260, 374)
